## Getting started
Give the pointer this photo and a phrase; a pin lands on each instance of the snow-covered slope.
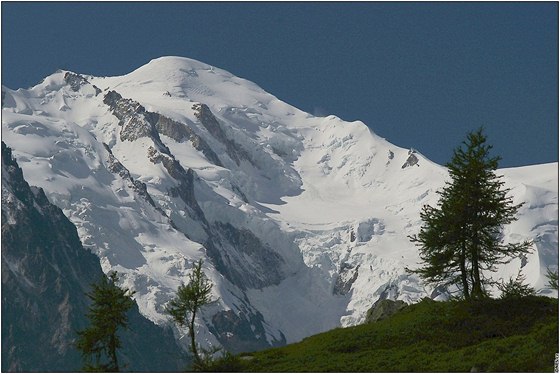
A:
(302, 220)
(45, 276)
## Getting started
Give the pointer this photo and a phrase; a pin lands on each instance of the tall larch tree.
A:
(462, 236)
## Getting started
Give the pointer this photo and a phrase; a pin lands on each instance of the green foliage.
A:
(184, 307)
(516, 287)
(552, 279)
(504, 335)
(227, 363)
(206, 359)
(99, 342)
(461, 236)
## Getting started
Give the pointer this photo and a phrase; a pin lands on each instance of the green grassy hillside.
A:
(488, 335)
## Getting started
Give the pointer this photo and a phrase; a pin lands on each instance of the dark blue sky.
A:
(419, 74)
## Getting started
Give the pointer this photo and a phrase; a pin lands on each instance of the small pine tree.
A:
(461, 236)
(188, 302)
(516, 288)
(108, 312)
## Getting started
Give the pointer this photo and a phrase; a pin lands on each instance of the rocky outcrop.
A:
(185, 178)
(140, 188)
(76, 81)
(136, 122)
(241, 332)
(230, 247)
(346, 277)
(411, 160)
(45, 274)
(116, 167)
(384, 309)
(180, 132)
(209, 121)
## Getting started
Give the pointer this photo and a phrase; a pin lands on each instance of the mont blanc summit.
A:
(302, 221)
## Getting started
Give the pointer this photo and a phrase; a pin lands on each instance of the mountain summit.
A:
(302, 221)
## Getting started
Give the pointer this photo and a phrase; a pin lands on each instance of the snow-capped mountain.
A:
(45, 275)
(302, 221)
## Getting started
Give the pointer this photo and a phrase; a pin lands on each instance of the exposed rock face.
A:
(236, 246)
(134, 120)
(40, 302)
(179, 132)
(239, 332)
(411, 160)
(174, 130)
(140, 188)
(346, 277)
(209, 121)
(115, 166)
(45, 274)
(137, 122)
(76, 81)
(383, 309)
(227, 246)
(185, 188)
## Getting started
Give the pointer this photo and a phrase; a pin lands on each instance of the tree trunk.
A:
(193, 342)
(463, 268)
(477, 286)
(113, 353)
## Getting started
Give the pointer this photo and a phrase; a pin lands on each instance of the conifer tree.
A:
(462, 236)
(108, 312)
(552, 279)
(191, 297)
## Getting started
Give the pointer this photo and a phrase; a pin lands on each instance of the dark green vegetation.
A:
(462, 235)
(503, 335)
(107, 313)
(552, 279)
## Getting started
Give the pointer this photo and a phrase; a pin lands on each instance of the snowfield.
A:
(302, 221)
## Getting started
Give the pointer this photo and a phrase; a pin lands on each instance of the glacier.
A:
(302, 221)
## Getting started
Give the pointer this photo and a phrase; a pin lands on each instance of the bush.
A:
(228, 363)
(516, 288)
